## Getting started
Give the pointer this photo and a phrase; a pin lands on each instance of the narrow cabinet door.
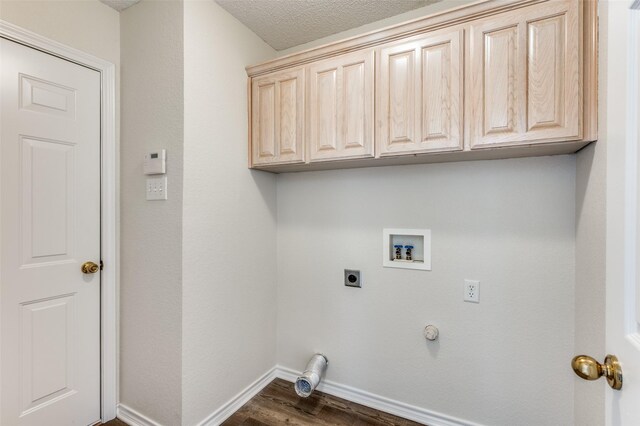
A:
(340, 108)
(420, 95)
(277, 118)
(526, 74)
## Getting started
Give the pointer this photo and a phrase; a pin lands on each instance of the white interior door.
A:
(50, 226)
(622, 127)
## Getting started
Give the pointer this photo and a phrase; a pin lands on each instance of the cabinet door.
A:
(526, 74)
(277, 121)
(420, 95)
(340, 109)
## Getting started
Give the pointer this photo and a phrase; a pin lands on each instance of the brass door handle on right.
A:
(588, 368)
(89, 268)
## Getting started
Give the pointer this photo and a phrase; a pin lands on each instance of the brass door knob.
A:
(589, 369)
(89, 268)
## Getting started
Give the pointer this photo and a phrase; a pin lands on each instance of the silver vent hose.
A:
(309, 380)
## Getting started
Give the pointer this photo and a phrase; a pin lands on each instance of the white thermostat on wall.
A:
(155, 162)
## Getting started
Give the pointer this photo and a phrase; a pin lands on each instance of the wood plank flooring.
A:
(114, 422)
(278, 404)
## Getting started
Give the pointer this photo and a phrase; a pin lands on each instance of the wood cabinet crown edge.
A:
(454, 16)
(464, 14)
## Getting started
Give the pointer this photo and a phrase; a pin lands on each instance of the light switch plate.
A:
(157, 188)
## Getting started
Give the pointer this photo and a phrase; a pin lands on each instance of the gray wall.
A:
(151, 237)
(591, 247)
(508, 223)
(229, 220)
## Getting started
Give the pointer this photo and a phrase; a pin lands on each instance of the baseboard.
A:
(397, 408)
(378, 402)
(224, 412)
(133, 418)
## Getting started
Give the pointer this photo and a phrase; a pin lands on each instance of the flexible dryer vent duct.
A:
(309, 380)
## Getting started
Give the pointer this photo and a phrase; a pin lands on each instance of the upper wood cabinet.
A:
(340, 107)
(490, 79)
(526, 76)
(420, 95)
(277, 118)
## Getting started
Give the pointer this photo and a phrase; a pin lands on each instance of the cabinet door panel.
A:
(277, 118)
(327, 111)
(288, 118)
(266, 120)
(441, 95)
(545, 60)
(402, 105)
(526, 76)
(340, 109)
(420, 95)
(501, 77)
(357, 101)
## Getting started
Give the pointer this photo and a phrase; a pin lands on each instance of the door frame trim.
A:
(108, 203)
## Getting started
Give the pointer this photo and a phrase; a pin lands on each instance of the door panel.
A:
(277, 118)
(47, 193)
(546, 78)
(289, 117)
(402, 108)
(266, 120)
(326, 124)
(440, 94)
(621, 24)
(50, 225)
(358, 102)
(47, 97)
(500, 81)
(48, 349)
(340, 109)
(420, 95)
(526, 73)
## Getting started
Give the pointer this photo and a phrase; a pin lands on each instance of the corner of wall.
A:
(151, 231)
(229, 219)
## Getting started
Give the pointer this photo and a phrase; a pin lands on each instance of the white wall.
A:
(514, 228)
(591, 193)
(229, 219)
(87, 25)
(508, 223)
(590, 277)
(151, 238)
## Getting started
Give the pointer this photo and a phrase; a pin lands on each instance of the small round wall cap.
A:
(431, 332)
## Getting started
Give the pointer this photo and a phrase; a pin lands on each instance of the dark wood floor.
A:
(114, 422)
(278, 404)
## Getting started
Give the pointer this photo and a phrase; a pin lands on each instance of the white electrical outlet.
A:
(472, 291)
(157, 188)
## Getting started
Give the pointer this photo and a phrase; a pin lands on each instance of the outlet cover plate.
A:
(472, 291)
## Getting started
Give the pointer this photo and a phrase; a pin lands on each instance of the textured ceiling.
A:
(119, 5)
(287, 23)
